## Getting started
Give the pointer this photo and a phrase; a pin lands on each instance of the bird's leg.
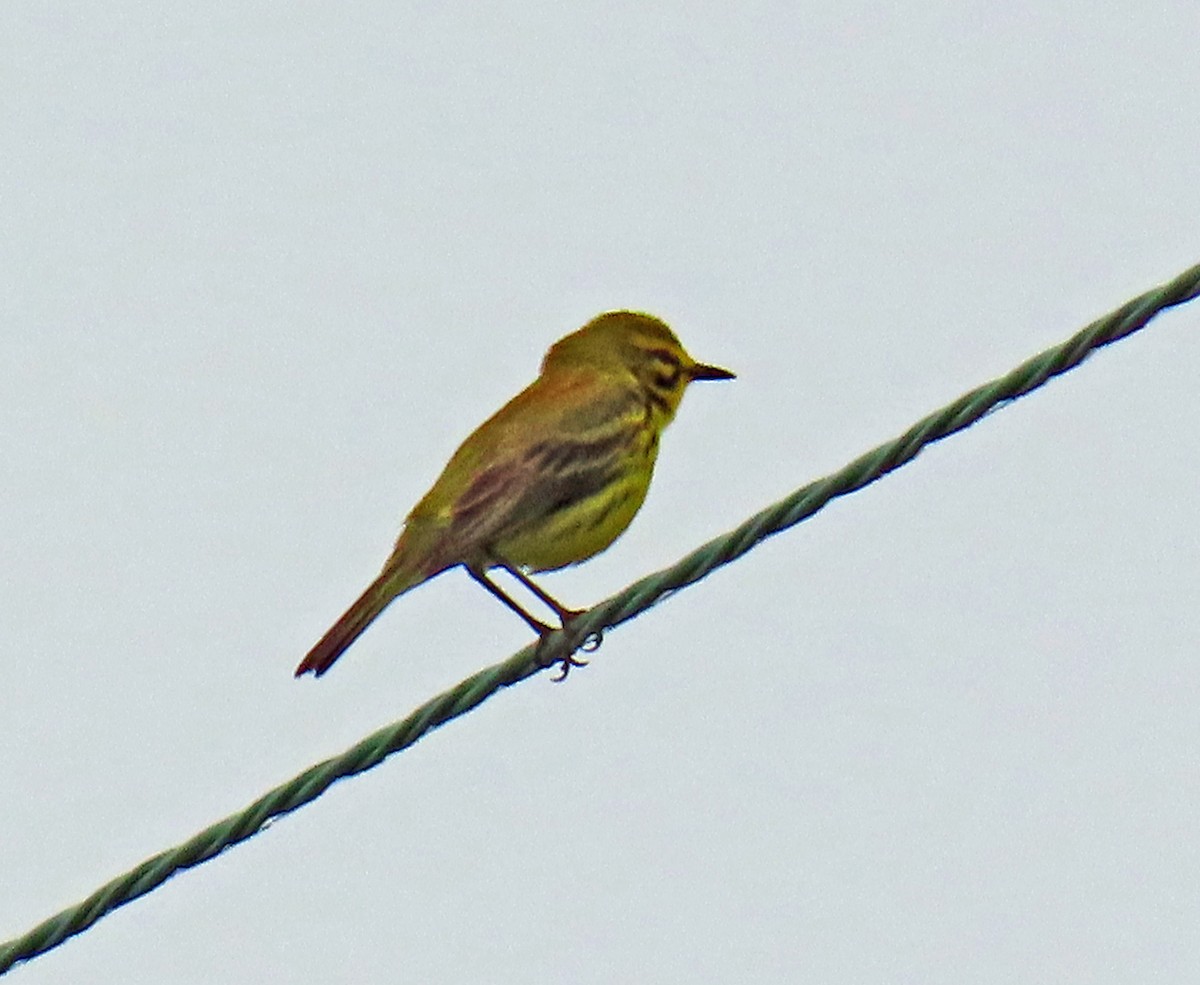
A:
(536, 625)
(564, 614)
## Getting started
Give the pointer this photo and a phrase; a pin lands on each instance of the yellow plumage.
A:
(551, 479)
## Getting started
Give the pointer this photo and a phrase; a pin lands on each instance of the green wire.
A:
(631, 601)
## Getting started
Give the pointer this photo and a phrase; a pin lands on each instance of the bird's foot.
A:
(565, 665)
(588, 644)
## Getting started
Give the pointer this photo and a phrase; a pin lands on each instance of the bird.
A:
(549, 480)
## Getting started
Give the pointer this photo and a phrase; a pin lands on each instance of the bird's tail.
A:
(378, 596)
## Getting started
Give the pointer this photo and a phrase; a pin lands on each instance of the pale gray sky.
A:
(264, 266)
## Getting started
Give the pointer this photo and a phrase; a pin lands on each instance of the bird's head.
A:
(632, 343)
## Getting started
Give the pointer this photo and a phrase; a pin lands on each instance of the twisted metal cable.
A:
(626, 604)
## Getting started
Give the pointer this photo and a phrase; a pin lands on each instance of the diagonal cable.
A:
(641, 595)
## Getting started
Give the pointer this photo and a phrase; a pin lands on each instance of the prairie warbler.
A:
(549, 480)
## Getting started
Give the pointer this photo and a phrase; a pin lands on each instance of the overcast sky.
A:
(264, 266)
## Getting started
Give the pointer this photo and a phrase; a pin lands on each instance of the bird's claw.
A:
(589, 644)
(565, 665)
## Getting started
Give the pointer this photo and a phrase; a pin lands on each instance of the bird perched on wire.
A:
(549, 480)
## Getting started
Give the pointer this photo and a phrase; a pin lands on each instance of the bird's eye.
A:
(666, 368)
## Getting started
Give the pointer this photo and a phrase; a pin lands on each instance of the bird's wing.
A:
(571, 448)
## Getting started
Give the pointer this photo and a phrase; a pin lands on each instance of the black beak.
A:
(699, 371)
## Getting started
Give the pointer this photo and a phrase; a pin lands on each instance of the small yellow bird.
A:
(551, 479)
